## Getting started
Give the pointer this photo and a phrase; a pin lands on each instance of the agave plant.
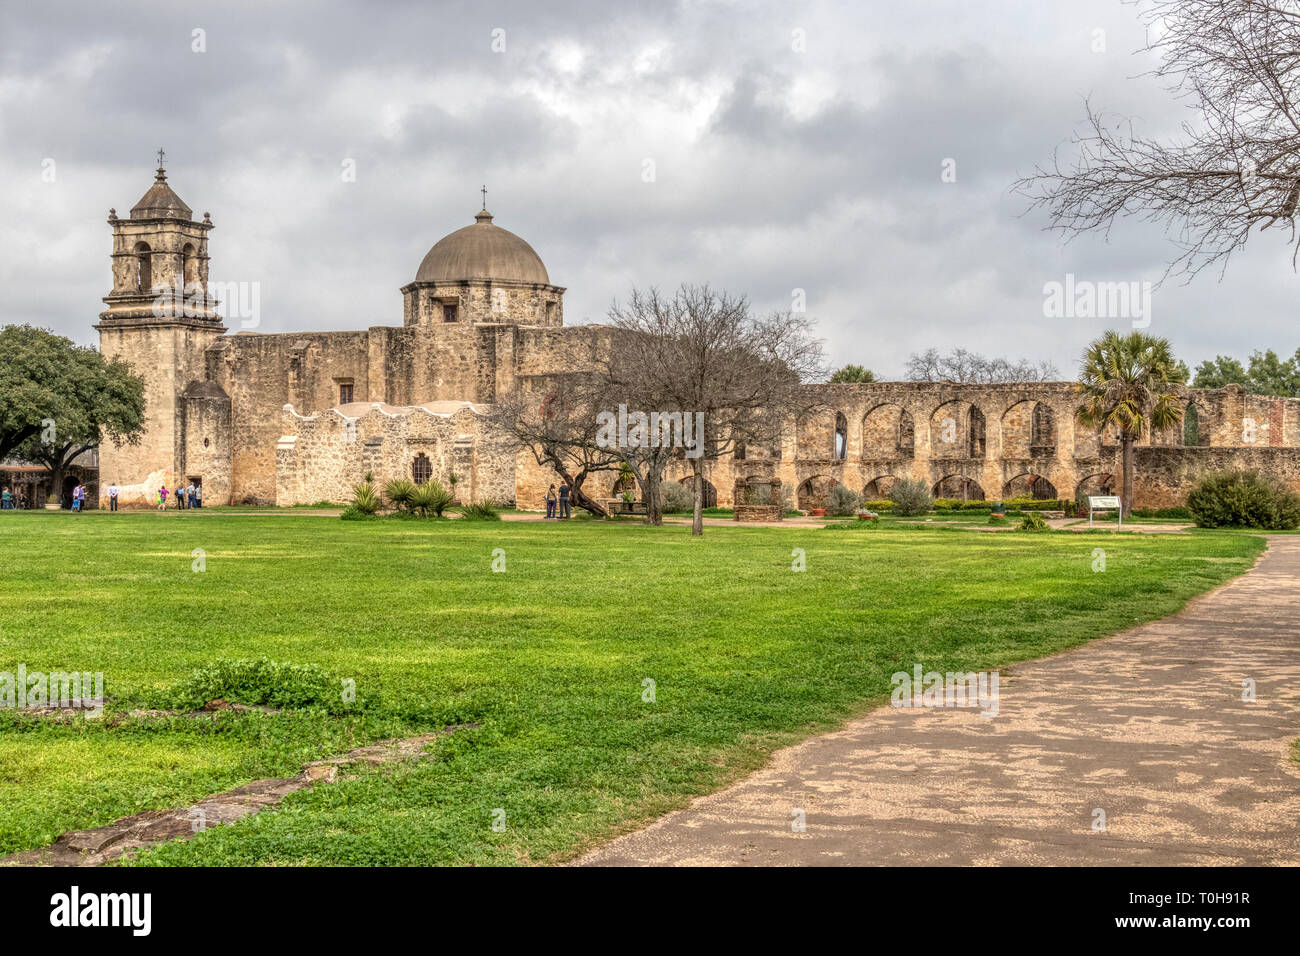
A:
(430, 498)
(400, 493)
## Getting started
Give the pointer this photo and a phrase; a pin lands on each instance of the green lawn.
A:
(549, 656)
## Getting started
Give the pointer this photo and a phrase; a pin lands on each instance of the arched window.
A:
(906, 443)
(421, 468)
(1191, 425)
(1043, 434)
(189, 267)
(144, 270)
(841, 448)
(976, 449)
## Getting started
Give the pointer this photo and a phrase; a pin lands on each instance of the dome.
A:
(482, 251)
(161, 202)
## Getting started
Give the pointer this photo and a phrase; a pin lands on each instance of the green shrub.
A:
(365, 498)
(911, 496)
(350, 513)
(842, 501)
(675, 498)
(400, 493)
(430, 498)
(255, 682)
(1032, 521)
(483, 512)
(1243, 499)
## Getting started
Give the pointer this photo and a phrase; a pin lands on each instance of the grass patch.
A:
(550, 657)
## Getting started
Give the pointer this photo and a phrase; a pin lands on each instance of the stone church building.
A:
(294, 418)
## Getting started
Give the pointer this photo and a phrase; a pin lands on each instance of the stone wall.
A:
(1030, 443)
(321, 457)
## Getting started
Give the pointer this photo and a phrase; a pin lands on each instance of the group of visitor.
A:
(560, 500)
(185, 496)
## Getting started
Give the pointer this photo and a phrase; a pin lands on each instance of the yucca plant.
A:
(481, 512)
(400, 492)
(430, 498)
(365, 498)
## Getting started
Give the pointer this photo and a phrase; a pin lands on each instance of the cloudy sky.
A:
(793, 146)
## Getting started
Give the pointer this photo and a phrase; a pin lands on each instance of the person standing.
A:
(550, 501)
(180, 497)
(112, 496)
(564, 499)
(162, 497)
(77, 492)
(6, 502)
(198, 495)
(189, 495)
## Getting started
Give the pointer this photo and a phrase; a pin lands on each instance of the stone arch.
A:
(1029, 485)
(878, 488)
(958, 486)
(1028, 430)
(888, 433)
(710, 492)
(627, 482)
(189, 266)
(143, 267)
(957, 430)
(1042, 440)
(840, 446)
(1100, 483)
(812, 492)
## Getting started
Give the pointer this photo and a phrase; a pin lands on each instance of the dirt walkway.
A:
(1148, 726)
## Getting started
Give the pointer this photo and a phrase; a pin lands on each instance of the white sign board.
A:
(1104, 503)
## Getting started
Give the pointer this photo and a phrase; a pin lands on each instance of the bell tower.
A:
(160, 317)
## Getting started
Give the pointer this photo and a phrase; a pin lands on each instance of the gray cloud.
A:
(774, 169)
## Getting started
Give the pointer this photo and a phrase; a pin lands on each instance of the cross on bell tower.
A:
(484, 192)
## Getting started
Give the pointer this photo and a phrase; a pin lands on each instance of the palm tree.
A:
(1127, 382)
(853, 373)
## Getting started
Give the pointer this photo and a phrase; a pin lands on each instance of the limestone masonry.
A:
(293, 418)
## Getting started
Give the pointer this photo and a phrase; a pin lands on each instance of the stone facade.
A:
(294, 418)
(1005, 441)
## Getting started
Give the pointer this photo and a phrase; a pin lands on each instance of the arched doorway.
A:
(710, 492)
(1029, 486)
(958, 486)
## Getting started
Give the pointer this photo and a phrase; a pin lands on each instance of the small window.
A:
(421, 468)
(740, 451)
(345, 393)
(449, 312)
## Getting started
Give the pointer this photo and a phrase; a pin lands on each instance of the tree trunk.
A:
(580, 498)
(1126, 464)
(697, 519)
(654, 506)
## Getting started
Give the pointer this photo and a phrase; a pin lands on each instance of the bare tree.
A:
(554, 417)
(1237, 165)
(959, 365)
(703, 353)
